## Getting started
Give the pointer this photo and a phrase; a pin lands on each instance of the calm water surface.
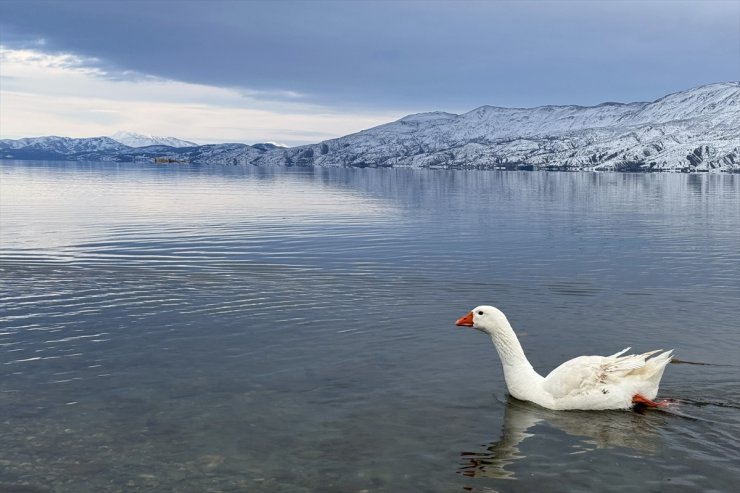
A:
(292, 330)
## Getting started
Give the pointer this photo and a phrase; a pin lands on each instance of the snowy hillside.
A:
(693, 130)
(132, 139)
(55, 148)
(698, 130)
(107, 149)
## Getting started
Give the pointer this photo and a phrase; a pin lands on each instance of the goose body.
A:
(618, 381)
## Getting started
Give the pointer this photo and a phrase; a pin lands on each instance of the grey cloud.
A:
(427, 55)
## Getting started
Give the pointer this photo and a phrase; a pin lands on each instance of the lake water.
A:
(207, 329)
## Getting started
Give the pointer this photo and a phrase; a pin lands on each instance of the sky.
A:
(298, 72)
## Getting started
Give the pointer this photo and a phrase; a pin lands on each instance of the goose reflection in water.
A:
(603, 429)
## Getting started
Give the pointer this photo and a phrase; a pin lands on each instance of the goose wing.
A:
(586, 374)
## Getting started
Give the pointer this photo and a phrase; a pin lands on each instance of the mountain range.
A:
(693, 130)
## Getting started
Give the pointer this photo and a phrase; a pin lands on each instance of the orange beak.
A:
(466, 321)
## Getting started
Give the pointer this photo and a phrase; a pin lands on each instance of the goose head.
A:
(485, 318)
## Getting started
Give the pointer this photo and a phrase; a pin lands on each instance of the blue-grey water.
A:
(183, 328)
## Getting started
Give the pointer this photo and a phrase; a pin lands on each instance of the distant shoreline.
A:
(472, 167)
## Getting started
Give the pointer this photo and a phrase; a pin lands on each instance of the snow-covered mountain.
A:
(106, 149)
(693, 130)
(132, 139)
(698, 130)
(58, 148)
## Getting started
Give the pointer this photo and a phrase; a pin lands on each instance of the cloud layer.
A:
(53, 94)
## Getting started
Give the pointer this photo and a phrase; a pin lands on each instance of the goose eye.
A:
(480, 312)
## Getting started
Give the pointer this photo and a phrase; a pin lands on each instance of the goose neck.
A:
(522, 381)
(509, 348)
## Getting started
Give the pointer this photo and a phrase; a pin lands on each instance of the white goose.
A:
(585, 382)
